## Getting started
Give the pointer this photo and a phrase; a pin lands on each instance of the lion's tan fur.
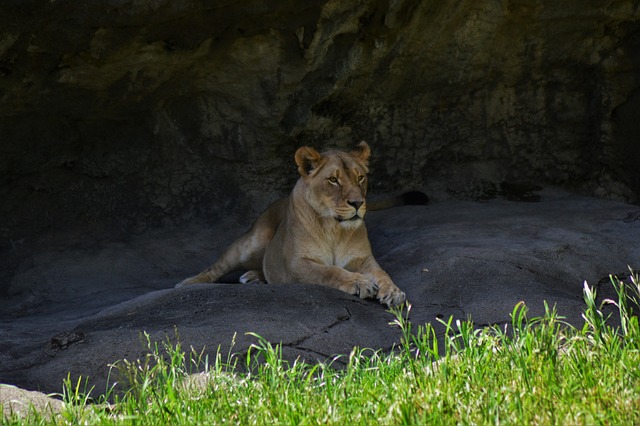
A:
(316, 235)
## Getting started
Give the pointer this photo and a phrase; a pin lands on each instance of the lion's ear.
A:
(307, 159)
(362, 152)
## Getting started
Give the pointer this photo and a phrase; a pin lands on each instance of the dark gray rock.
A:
(134, 114)
(81, 310)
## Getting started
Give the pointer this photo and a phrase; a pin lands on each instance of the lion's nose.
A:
(355, 204)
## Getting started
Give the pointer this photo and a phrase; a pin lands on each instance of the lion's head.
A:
(336, 182)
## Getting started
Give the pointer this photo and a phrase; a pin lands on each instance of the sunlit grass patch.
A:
(538, 370)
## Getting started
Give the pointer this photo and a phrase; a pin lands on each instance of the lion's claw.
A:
(391, 296)
(366, 289)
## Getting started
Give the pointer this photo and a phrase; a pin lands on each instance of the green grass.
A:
(533, 371)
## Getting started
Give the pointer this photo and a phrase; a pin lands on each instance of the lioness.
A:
(316, 235)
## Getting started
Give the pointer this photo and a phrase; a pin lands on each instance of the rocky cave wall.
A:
(133, 113)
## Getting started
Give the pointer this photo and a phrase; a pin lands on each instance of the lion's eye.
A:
(361, 178)
(333, 180)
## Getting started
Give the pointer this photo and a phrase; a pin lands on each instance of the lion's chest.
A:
(345, 254)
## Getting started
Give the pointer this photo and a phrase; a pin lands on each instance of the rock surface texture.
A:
(137, 138)
(84, 308)
(136, 113)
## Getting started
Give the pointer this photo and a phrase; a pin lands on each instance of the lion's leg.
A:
(245, 253)
(367, 282)
(334, 276)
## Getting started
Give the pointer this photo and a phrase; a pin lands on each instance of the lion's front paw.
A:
(391, 296)
(362, 287)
